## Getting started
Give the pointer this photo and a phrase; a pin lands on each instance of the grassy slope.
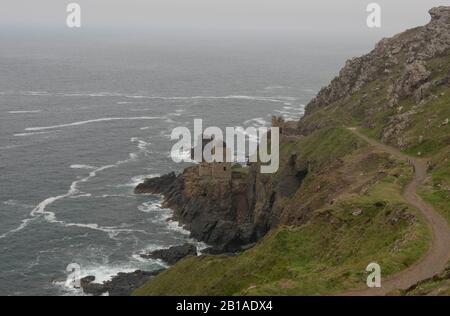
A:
(331, 251)
(436, 191)
(326, 255)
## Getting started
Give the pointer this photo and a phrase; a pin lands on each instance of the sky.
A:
(209, 16)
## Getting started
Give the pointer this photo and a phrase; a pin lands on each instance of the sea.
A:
(84, 119)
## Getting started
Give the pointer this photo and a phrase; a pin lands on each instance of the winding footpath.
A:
(438, 255)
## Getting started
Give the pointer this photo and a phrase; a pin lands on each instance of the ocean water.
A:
(82, 122)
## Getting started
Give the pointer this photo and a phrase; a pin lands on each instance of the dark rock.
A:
(173, 254)
(87, 280)
(218, 251)
(122, 284)
(217, 211)
(156, 185)
(89, 287)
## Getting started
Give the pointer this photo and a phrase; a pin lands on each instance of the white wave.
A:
(104, 271)
(164, 216)
(32, 134)
(131, 157)
(36, 93)
(24, 112)
(137, 180)
(277, 99)
(141, 144)
(112, 231)
(184, 156)
(145, 128)
(81, 196)
(40, 209)
(105, 196)
(149, 207)
(82, 167)
(105, 119)
(137, 97)
(125, 102)
(138, 258)
(176, 226)
(258, 121)
(90, 94)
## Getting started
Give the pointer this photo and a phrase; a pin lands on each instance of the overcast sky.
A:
(217, 15)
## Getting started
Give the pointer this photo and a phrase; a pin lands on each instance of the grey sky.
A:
(217, 15)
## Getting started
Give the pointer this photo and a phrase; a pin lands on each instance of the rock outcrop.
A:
(404, 52)
(122, 284)
(217, 211)
(173, 254)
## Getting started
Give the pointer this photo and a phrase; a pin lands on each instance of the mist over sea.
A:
(82, 121)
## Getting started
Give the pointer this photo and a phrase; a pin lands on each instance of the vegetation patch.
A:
(327, 255)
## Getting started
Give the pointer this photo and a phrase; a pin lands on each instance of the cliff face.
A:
(215, 210)
(225, 212)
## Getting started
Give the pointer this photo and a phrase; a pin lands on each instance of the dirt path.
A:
(437, 257)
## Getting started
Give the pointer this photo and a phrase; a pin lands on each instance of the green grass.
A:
(323, 146)
(437, 190)
(327, 255)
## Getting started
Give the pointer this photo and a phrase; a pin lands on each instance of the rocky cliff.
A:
(409, 51)
(387, 87)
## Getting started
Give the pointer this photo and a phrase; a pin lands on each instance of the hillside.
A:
(337, 203)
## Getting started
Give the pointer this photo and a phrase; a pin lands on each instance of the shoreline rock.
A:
(123, 284)
(173, 254)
